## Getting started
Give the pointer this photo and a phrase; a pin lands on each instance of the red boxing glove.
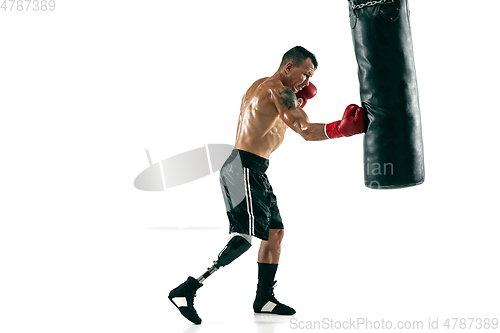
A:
(353, 122)
(306, 93)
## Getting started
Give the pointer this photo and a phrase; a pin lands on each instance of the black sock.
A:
(267, 272)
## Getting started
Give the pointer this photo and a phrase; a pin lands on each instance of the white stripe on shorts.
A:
(248, 197)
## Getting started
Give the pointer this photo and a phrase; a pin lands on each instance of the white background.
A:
(85, 89)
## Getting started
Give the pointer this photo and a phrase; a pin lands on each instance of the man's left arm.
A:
(294, 116)
(352, 122)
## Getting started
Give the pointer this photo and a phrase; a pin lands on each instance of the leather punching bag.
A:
(393, 147)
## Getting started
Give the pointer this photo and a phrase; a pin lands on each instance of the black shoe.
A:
(183, 297)
(265, 302)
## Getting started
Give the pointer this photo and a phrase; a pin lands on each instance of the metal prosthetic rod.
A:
(237, 245)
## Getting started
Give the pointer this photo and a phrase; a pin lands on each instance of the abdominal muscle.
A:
(258, 144)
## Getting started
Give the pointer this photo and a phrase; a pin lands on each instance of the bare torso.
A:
(260, 127)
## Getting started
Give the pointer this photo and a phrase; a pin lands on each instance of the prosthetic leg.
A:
(183, 296)
(236, 246)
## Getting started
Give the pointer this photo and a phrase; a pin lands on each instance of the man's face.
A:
(299, 76)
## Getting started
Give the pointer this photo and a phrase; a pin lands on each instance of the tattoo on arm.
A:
(288, 98)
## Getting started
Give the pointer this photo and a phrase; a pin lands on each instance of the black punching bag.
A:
(393, 147)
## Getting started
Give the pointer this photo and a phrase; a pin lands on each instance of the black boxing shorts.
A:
(250, 202)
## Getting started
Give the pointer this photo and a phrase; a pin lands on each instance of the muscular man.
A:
(268, 108)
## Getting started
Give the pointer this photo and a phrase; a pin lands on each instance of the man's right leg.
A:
(268, 259)
(183, 296)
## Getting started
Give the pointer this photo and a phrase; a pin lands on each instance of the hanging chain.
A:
(369, 3)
